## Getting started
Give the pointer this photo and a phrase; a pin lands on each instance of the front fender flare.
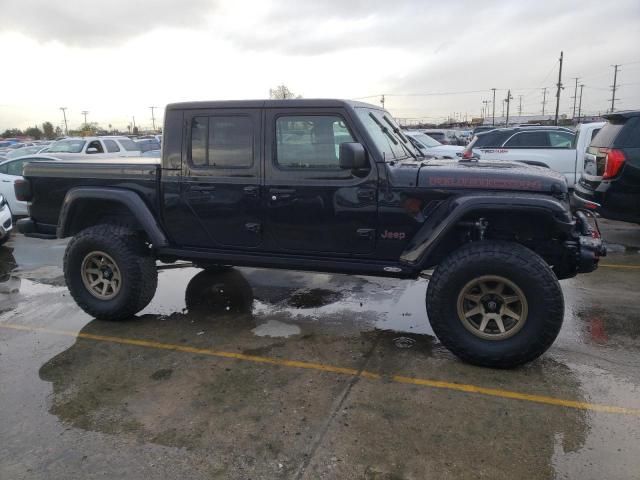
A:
(452, 210)
(129, 199)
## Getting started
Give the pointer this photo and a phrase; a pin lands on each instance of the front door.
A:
(220, 186)
(311, 204)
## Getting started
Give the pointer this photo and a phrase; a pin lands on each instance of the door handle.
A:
(281, 193)
(251, 191)
(366, 194)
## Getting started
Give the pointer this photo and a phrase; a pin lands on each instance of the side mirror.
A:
(352, 156)
(92, 150)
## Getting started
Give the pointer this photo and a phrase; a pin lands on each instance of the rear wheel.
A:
(110, 272)
(495, 304)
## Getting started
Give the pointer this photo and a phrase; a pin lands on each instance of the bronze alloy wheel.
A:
(101, 275)
(492, 307)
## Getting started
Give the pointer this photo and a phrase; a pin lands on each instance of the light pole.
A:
(64, 114)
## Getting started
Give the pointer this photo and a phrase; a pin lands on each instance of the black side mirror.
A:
(352, 156)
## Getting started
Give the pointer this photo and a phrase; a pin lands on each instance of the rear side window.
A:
(222, 142)
(311, 142)
(491, 139)
(630, 135)
(15, 168)
(111, 146)
(129, 145)
(561, 139)
(529, 140)
(607, 135)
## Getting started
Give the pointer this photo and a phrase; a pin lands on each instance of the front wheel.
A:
(495, 304)
(110, 272)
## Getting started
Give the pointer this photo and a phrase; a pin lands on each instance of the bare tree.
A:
(282, 92)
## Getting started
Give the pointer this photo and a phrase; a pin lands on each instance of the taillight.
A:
(467, 154)
(613, 163)
(22, 188)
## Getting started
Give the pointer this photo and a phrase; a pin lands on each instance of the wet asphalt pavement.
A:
(261, 374)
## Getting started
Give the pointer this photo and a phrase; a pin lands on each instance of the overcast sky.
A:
(116, 58)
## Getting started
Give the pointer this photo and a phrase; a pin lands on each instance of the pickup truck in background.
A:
(321, 185)
(610, 183)
(92, 148)
(557, 148)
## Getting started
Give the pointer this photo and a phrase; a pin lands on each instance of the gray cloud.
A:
(98, 23)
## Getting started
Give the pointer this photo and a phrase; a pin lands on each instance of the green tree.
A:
(12, 132)
(33, 132)
(47, 129)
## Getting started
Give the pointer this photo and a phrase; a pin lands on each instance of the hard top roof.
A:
(292, 103)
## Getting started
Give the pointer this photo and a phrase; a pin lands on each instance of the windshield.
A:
(426, 140)
(23, 151)
(381, 127)
(67, 146)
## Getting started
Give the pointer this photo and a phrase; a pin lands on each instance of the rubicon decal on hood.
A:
(479, 182)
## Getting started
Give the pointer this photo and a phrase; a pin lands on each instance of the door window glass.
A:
(560, 139)
(529, 140)
(111, 146)
(97, 145)
(222, 142)
(310, 141)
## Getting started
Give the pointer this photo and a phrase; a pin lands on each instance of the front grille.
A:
(7, 224)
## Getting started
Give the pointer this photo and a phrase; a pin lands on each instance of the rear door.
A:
(220, 187)
(311, 204)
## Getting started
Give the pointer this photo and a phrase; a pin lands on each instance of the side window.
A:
(97, 145)
(222, 142)
(3, 168)
(560, 139)
(112, 146)
(529, 140)
(310, 141)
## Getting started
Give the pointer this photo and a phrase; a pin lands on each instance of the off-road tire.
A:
(219, 292)
(513, 262)
(134, 260)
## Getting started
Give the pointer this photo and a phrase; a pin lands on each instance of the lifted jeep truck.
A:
(324, 185)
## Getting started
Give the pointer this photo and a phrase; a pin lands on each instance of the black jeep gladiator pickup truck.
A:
(323, 185)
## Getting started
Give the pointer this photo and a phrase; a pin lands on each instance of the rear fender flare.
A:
(127, 198)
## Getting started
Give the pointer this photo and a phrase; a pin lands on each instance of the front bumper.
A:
(591, 247)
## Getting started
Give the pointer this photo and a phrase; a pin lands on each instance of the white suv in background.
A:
(94, 147)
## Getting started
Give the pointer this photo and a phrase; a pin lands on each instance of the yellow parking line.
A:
(459, 387)
(613, 265)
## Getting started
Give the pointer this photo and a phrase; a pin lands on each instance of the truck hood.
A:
(489, 175)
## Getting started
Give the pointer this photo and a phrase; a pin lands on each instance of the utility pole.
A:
(382, 101)
(575, 97)
(84, 113)
(559, 85)
(544, 99)
(520, 106)
(508, 100)
(493, 120)
(153, 118)
(64, 114)
(503, 108)
(486, 108)
(615, 86)
(580, 103)
(134, 122)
